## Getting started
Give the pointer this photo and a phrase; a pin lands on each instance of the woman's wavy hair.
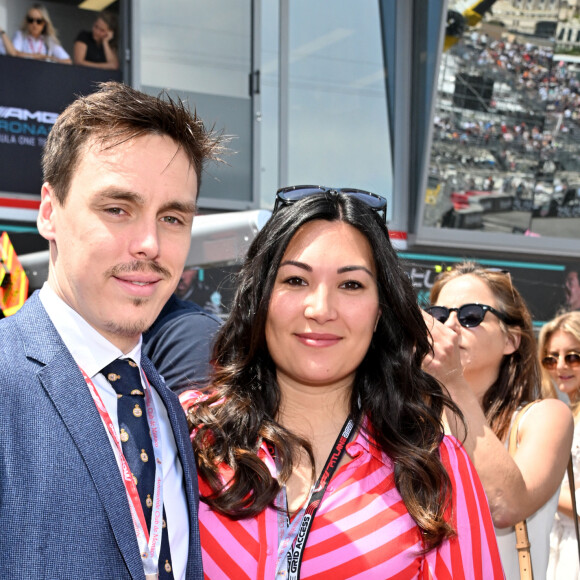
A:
(49, 31)
(518, 381)
(402, 403)
(568, 322)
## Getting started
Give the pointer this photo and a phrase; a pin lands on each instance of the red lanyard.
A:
(149, 543)
(292, 536)
(33, 46)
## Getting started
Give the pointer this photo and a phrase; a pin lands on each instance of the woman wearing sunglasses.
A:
(485, 354)
(37, 37)
(320, 446)
(559, 349)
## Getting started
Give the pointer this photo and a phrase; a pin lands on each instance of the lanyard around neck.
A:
(149, 540)
(38, 45)
(292, 536)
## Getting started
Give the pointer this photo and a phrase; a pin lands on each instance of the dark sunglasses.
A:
(293, 193)
(30, 20)
(572, 359)
(468, 315)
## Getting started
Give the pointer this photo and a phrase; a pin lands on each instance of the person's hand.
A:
(109, 36)
(444, 363)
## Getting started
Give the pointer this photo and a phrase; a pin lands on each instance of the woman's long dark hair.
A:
(404, 405)
(519, 377)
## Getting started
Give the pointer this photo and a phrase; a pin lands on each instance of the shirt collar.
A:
(365, 443)
(90, 349)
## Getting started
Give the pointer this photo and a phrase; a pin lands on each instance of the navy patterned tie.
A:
(125, 378)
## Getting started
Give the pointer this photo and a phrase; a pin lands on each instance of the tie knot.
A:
(124, 376)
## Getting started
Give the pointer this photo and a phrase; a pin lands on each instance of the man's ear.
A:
(46, 218)
(512, 340)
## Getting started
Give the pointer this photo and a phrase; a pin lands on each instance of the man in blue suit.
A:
(121, 172)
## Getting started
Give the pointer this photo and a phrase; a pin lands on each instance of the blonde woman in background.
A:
(559, 350)
(37, 38)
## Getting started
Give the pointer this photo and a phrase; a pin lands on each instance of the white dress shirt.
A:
(92, 352)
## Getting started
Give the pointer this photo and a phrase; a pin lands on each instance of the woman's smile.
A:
(324, 305)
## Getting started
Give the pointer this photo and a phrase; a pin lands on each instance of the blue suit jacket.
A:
(63, 508)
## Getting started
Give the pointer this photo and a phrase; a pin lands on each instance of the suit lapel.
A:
(64, 384)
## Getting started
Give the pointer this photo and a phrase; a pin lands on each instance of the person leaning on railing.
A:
(97, 48)
(37, 38)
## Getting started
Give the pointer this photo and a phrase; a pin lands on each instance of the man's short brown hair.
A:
(115, 114)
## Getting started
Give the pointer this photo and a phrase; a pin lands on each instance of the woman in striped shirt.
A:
(320, 448)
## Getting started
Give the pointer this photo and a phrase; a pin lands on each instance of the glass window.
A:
(269, 113)
(505, 148)
(336, 107)
(202, 51)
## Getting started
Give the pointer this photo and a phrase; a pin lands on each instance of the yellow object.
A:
(432, 193)
(96, 5)
(13, 279)
(471, 17)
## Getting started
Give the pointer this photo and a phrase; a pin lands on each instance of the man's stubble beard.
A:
(130, 329)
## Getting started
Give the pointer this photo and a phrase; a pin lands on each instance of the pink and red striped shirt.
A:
(362, 528)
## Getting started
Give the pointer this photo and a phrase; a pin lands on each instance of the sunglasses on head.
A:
(468, 315)
(30, 20)
(294, 193)
(572, 359)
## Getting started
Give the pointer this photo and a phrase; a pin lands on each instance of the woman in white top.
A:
(485, 354)
(559, 350)
(37, 37)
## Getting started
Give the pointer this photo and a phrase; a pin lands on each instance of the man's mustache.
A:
(139, 266)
